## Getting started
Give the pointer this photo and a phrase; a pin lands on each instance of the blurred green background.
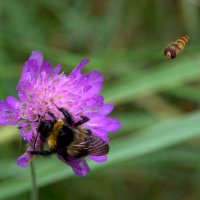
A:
(156, 154)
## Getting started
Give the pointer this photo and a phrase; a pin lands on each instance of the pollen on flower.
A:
(47, 98)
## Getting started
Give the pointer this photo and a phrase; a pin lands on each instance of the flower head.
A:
(40, 88)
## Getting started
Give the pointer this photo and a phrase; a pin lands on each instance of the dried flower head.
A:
(40, 88)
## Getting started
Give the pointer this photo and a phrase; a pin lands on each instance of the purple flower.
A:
(40, 88)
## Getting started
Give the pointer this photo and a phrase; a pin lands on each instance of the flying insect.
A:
(176, 47)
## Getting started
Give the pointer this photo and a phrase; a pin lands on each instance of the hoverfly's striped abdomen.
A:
(176, 47)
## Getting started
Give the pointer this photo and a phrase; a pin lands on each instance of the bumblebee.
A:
(68, 138)
(176, 47)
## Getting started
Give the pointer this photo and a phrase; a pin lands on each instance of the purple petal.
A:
(89, 84)
(46, 67)
(28, 76)
(27, 130)
(30, 70)
(106, 109)
(95, 80)
(95, 101)
(105, 123)
(33, 68)
(98, 158)
(37, 55)
(24, 159)
(13, 102)
(8, 114)
(37, 58)
(79, 166)
(76, 73)
(57, 69)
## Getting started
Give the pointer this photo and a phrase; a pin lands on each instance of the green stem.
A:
(34, 191)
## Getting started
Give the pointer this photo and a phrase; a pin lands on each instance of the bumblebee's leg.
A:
(67, 116)
(53, 116)
(41, 152)
(82, 121)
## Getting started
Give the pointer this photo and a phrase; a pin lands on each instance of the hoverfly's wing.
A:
(91, 145)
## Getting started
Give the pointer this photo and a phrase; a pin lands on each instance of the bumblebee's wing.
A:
(96, 146)
(92, 145)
